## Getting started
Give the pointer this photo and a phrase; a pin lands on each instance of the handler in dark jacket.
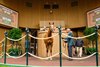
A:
(70, 42)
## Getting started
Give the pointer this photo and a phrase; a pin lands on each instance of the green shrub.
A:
(14, 51)
(15, 33)
(90, 51)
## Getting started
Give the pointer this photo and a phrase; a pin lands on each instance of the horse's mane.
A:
(49, 33)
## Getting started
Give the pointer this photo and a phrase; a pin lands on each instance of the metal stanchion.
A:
(96, 33)
(60, 48)
(5, 47)
(27, 45)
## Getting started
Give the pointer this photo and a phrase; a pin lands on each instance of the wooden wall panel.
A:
(31, 16)
(13, 4)
(25, 17)
(2, 31)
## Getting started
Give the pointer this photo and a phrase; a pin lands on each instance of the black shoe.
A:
(70, 59)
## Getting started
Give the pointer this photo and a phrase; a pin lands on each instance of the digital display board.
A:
(93, 17)
(8, 17)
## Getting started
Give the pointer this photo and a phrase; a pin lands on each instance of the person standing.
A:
(79, 44)
(70, 42)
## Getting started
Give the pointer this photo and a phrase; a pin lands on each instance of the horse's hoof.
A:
(50, 58)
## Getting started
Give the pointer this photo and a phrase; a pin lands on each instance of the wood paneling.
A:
(31, 16)
(2, 31)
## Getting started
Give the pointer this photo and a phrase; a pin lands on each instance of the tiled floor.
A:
(55, 62)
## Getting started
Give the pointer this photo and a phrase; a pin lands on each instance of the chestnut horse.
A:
(49, 42)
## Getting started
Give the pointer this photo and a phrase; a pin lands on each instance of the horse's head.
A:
(51, 26)
(68, 30)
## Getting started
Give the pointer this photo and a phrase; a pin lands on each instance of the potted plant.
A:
(92, 38)
(14, 33)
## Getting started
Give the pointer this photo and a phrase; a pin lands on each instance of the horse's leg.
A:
(50, 51)
(46, 52)
(46, 49)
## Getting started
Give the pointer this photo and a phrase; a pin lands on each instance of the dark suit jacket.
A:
(70, 41)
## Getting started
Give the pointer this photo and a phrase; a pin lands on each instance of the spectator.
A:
(79, 44)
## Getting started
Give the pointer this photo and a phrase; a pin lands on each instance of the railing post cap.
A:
(27, 30)
(97, 26)
(59, 26)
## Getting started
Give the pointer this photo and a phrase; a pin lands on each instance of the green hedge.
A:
(14, 51)
(90, 50)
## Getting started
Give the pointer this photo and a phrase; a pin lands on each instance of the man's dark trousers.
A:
(70, 51)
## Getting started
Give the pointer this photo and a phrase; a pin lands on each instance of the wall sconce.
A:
(51, 11)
